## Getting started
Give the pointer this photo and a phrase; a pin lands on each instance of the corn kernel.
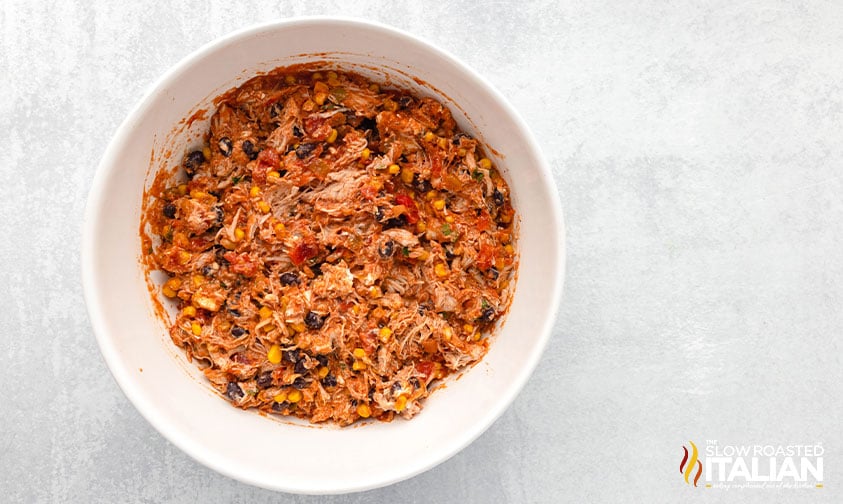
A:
(184, 257)
(356, 309)
(317, 76)
(274, 354)
(407, 176)
(374, 88)
(268, 328)
(390, 105)
(509, 250)
(430, 195)
(449, 219)
(428, 136)
(323, 372)
(290, 79)
(485, 163)
(294, 396)
(167, 291)
(254, 191)
(476, 337)
(439, 204)
(197, 280)
(462, 152)
(298, 327)
(273, 176)
(319, 98)
(384, 334)
(196, 328)
(189, 311)
(357, 365)
(265, 312)
(393, 169)
(263, 206)
(447, 333)
(196, 194)
(280, 227)
(332, 136)
(173, 283)
(499, 263)
(423, 255)
(224, 326)
(364, 411)
(281, 397)
(308, 105)
(468, 328)
(421, 227)
(401, 403)
(359, 353)
(320, 87)
(239, 234)
(365, 154)
(440, 269)
(206, 151)
(443, 142)
(332, 75)
(182, 189)
(375, 292)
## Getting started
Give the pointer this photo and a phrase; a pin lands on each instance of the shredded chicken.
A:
(340, 249)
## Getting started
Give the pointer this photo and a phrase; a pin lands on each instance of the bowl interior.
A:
(172, 394)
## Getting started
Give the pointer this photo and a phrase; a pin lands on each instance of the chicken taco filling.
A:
(335, 249)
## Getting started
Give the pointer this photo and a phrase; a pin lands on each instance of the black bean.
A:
(368, 124)
(234, 312)
(300, 383)
(329, 381)
(387, 249)
(316, 268)
(265, 379)
(237, 331)
(278, 407)
(457, 137)
(289, 278)
(193, 161)
(276, 109)
(322, 360)
(207, 270)
(225, 146)
(497, 197)
(304, 149)
(170, 211)
(396, 387)
(494, 273)
(233, 391)
(378, 213)
(487, 315)
(220, 214)
(421, 185)
(396, 222)
(415, 382)
(297, 132)
(313, 320)
(249, 149)
(291, 356)
(300, 367)
(405, 101)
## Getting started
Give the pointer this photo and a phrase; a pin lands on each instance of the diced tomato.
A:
(483, 223)
(317, 127)
(410, 205)
(486, 256)
(368, 342)
(425, 368)
(268, 160)
(302, 252)
(242, 263)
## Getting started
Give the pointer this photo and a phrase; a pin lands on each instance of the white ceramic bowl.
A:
(174, 397)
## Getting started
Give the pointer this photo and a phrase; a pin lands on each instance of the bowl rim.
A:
(110, 352)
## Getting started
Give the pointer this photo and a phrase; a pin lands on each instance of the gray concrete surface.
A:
(697, 150)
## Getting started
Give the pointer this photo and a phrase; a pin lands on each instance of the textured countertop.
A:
(697, 152)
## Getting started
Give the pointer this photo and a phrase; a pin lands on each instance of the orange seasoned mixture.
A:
(333, 249)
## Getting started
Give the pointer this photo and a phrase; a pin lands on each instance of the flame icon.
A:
(687, 466)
